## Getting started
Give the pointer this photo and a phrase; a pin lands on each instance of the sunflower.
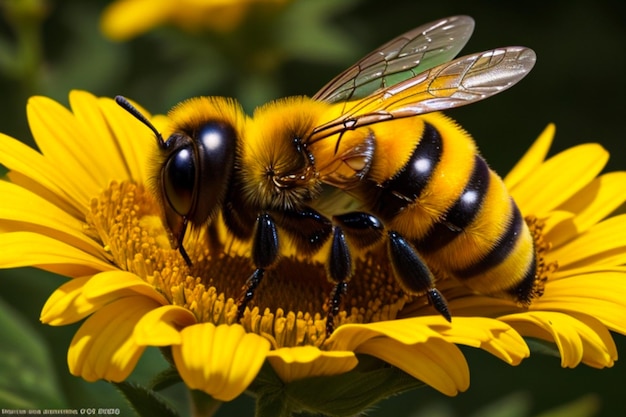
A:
(94, 219)
(125, 19)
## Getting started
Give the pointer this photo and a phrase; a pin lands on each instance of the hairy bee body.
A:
(431, 186)
(454, 209)
(366, 162)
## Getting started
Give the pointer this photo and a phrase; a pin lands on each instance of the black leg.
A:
(181, 237)
(413, 274)
(248, 291)
(339, 271)
(264, 254)
(334, 304)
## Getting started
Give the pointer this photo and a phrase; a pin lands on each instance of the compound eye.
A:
(179, 180)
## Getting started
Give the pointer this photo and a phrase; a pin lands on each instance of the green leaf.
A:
(144, 401)
(27, 379)
(340, 395)
(165, 379)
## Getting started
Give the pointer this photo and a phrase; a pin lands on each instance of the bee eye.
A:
(179, 178)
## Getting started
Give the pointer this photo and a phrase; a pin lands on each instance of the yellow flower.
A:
(583, 253)
(81, 208)
(125, 19)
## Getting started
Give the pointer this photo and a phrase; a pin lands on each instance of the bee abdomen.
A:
(508, 267)
(404, 188)
(483, 240)
(462, 213)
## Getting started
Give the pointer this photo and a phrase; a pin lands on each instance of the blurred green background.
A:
(578, 83)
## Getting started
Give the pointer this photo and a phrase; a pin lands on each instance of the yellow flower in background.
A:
(82, 208)
(583, 252)
(125, 19)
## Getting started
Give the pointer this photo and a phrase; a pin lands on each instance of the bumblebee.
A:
(367, 161)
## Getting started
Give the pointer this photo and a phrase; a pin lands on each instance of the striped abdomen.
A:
(452, 207)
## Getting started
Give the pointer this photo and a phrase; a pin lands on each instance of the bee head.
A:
(196, 161)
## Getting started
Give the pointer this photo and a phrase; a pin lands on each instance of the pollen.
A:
(544, 269)
(290, 305)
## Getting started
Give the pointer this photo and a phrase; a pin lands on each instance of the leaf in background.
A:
(27, 379)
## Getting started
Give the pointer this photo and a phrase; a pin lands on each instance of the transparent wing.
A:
(400, 59)
(456, 83)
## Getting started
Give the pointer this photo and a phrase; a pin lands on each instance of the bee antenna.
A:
(126, 105)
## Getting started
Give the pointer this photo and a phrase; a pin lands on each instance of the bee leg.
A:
(334, 305)
(264, 255)
(413, 274)
(364, 230)
(339, 270)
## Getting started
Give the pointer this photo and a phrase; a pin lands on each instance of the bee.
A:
(367, 161)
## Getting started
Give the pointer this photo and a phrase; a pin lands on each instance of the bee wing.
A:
(400, 59)
(456, 83)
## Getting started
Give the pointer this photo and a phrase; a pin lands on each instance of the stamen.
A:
(544, 269)
(289, 305)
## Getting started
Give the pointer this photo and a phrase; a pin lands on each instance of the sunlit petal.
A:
(66, 305)
(103, 347)
(19, 249)
(538, 196)
(532, 159)
(300, 362)
(576, 340)
(161, 326)
(219, 360)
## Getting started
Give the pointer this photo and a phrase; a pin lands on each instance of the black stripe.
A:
(522, 291)
(462, 213)
(500, 251)
(404, 188)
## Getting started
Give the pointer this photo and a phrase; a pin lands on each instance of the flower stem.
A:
(203, 405)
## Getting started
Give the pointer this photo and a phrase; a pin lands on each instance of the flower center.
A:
(289, 306)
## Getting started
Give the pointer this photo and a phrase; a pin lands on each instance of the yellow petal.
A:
(103, 347)
(408, 331)
(19, 249)
(603, 244)
(300, 362)
(101, 148)
(33, 171)
(437, 363)
(411, 345)
(115, 284)
(221, 361)
(27, 211)
(491, 335)
(532, 159)
(60, 138)
(135, 140)
(597, 200)
(161, 326)
(123, 20)
(66, 305)
(559, 178)
(576, 340)
(599, 294)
